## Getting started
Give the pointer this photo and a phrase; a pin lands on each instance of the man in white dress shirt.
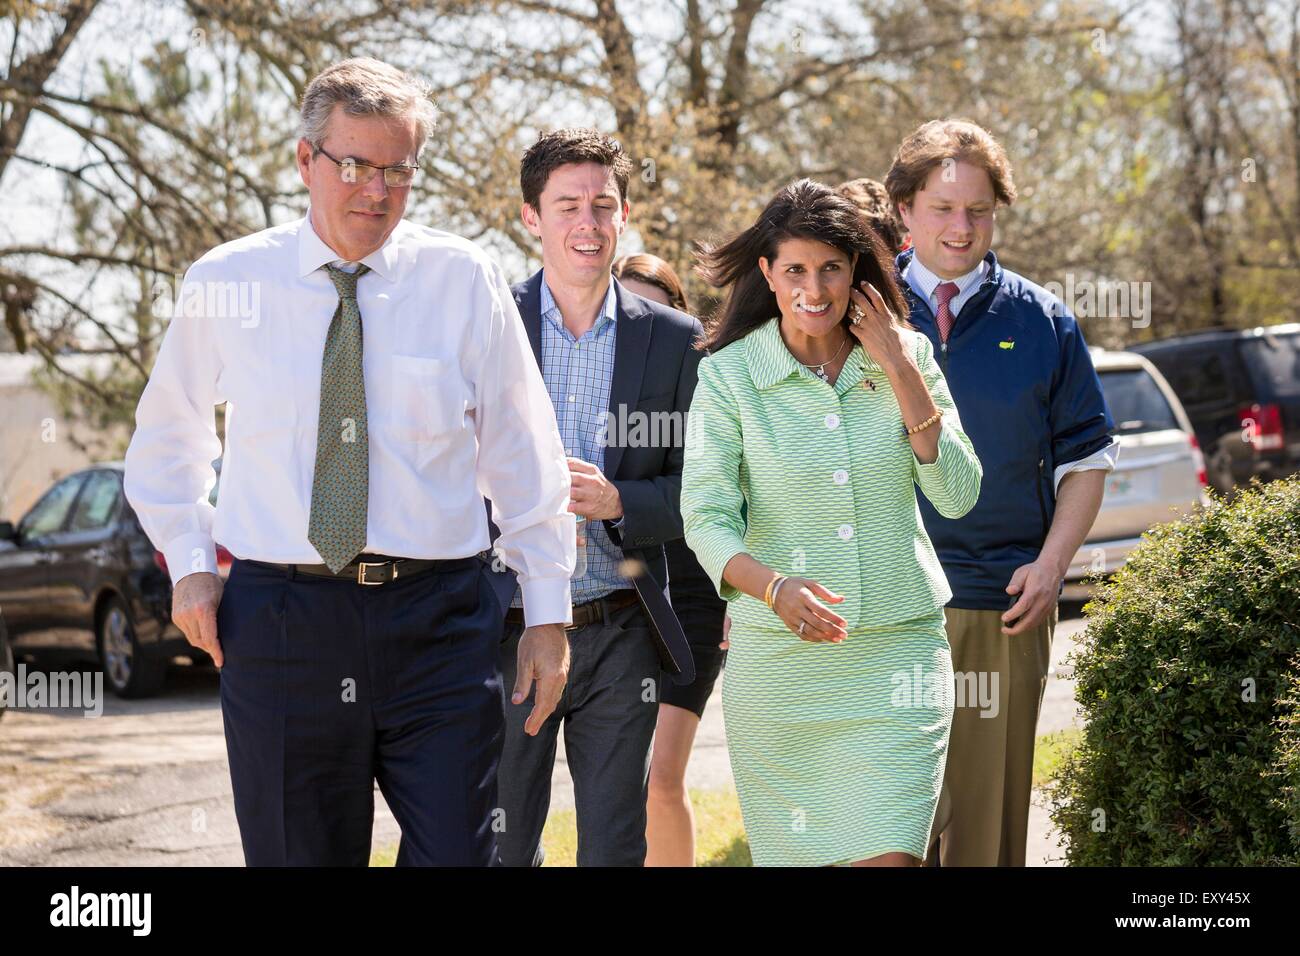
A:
(381, 387)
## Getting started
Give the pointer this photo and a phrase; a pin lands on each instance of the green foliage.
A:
(1189, 679)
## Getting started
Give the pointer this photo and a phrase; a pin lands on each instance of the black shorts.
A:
(701, 611)
(709, 659)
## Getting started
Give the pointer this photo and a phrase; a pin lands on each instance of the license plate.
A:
(1126, 486)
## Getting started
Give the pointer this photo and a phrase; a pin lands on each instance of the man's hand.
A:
(591, 494)
(1038, 585)
(544, 657)
(194, 610)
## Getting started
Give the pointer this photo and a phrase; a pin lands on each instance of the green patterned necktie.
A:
(340, 489)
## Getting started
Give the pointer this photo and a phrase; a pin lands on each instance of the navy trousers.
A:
(329, 686)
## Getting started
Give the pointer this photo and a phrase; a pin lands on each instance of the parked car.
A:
(1241, 390)
(79, 579)
(1160, 474)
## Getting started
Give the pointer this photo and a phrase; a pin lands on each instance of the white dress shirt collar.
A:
(314, 253)
(925, 281)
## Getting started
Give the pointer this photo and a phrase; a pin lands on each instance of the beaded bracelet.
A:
(925, 424)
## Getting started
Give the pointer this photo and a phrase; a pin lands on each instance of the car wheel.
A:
(130, 672)
(1218, 470)
(6, 661)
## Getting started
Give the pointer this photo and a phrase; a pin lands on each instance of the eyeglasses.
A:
(354, 173)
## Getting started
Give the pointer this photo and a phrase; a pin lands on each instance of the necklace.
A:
(820, 370)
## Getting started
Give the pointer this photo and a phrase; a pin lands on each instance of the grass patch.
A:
(720, 834)
(1050, 751)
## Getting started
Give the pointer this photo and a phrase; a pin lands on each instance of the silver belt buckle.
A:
(361, 572)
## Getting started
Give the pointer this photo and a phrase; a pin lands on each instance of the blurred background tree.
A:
(1154, 141)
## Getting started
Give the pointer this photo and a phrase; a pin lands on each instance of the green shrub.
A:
(1189, 679)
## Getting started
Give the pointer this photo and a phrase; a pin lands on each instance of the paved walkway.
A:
(147, 783)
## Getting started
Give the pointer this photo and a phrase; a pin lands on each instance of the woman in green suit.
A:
(817, 414)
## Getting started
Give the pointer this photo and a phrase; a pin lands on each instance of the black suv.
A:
(79, 579)
(1241, 390)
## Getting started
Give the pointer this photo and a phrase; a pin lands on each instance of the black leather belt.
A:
(375, 568)
(588, 612)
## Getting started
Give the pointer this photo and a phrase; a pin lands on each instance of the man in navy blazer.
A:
(620, 371)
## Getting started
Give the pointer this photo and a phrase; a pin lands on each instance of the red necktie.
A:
(943, 293)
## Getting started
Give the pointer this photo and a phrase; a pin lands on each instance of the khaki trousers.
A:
(983, 814)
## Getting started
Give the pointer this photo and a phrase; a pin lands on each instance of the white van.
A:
(1160, 474)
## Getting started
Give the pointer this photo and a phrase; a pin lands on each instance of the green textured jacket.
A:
(827, 478)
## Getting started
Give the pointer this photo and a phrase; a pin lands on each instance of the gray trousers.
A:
(608, 711)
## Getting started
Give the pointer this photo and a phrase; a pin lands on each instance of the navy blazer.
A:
(655, 369)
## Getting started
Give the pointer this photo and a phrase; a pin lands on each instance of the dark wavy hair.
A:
(802, 210)
(573, 145)
(653, 271)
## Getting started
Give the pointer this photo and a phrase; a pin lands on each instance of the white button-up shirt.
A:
(455, 404)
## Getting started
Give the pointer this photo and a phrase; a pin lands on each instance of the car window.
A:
(1136, 402)
(1275, 360)
(47, 515)
(98, 502)
(1197, 377)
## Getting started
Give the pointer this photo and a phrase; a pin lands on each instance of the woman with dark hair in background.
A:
(670, 820)
(818, 411)
(872, 201)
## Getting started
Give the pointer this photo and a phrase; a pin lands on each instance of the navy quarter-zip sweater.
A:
(1030, 400)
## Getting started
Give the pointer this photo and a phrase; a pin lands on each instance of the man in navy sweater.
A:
(1032, 404)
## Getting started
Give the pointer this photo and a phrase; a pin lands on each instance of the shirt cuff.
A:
(714, 557)
(546, 601)
(190, 554)
(928, 469)
(1103, 459)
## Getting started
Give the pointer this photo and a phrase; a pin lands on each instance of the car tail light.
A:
(1261, 426)
(1199, 460)
(161, 561)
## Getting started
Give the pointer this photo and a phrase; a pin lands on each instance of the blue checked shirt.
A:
(578, 374)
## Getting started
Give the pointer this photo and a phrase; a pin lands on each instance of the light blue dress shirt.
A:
(578, 373)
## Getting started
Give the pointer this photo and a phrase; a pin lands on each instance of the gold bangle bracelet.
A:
(925, 424)
(767, 595)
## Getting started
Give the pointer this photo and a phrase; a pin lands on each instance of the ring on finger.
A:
(856, 314)
(802, 625)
